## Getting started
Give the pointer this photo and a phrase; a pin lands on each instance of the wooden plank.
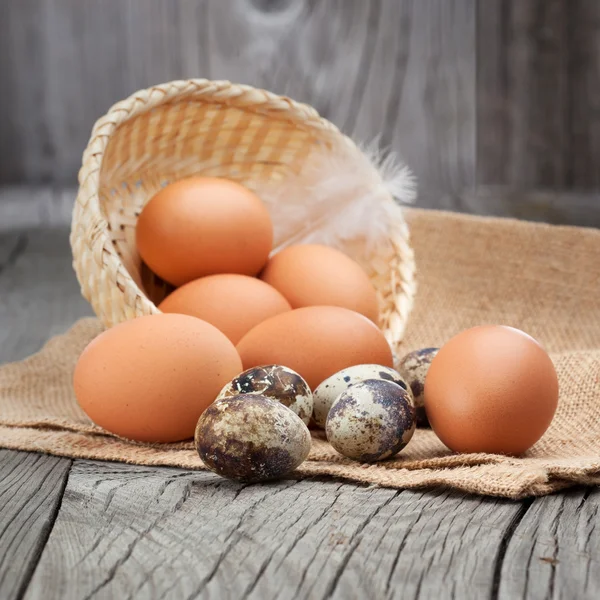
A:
(25, 145)
(31, 487)
(157, 532)
(555, 549)
(39, 291)
(26, 207)
(10, 244)
(584, 94)
(538, 88)
(83, 46)
(435, 544)
(401, 69)
(38, 296)
(522, 93)
(420, 94)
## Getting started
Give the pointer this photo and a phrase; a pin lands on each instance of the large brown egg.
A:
(151, 378)
(491, 389)
(201, 226)
(234, 304)
(315, 341)
(316, 275)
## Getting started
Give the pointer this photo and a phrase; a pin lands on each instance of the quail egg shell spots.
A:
(332, 387)
(276, 382)
(414, 367)
(251, 438)
(371, 420)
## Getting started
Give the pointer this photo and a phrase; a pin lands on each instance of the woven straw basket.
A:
(200, 127)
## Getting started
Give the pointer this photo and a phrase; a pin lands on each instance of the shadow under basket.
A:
(212, 128)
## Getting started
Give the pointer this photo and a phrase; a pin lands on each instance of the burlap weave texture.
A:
(542, 279)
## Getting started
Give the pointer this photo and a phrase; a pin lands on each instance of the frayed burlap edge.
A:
(540, 278)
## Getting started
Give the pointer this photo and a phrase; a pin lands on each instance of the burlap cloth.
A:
(543, 279)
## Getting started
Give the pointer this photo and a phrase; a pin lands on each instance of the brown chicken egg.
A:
(201, 226)
(315, 341)
(151, 378)
(316, 275)
(491, 389)
(233, 303)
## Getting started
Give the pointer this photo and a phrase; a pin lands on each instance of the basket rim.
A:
(221, 92)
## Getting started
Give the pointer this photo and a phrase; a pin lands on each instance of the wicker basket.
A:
(185, 128)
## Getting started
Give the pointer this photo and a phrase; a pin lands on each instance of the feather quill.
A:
(341, 195)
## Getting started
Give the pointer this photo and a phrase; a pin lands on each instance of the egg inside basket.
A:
(302, 167)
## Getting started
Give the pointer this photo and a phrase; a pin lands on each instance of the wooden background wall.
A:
(495, 104)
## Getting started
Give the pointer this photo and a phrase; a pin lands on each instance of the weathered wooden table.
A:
(83, 529)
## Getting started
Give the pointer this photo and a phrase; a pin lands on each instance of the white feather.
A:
(341, 195)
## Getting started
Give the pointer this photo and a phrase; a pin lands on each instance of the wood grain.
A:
(436, 544)
(165, 533)
(555, 549)
(10, 248)
(410, 82)
(30, 207)
(502, 92)
(401, 70)
(584, 94)
(26, 151)
(38, 299)
(538, 88)
(522, 44)
(31, 487)
(40, 294)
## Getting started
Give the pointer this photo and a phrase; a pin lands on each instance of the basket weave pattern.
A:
(201, 127)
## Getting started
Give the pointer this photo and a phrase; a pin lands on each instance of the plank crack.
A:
(303, 534)
(233, 538)
(402, 545)
(120, 561)
(504, 542)
(553, 562)
(354, 542)
(268, 561)
(46, 531)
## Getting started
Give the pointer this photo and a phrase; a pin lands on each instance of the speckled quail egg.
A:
(251, 438)
(372, 420)
(276, 382)
(414, 367)
(333, 386)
